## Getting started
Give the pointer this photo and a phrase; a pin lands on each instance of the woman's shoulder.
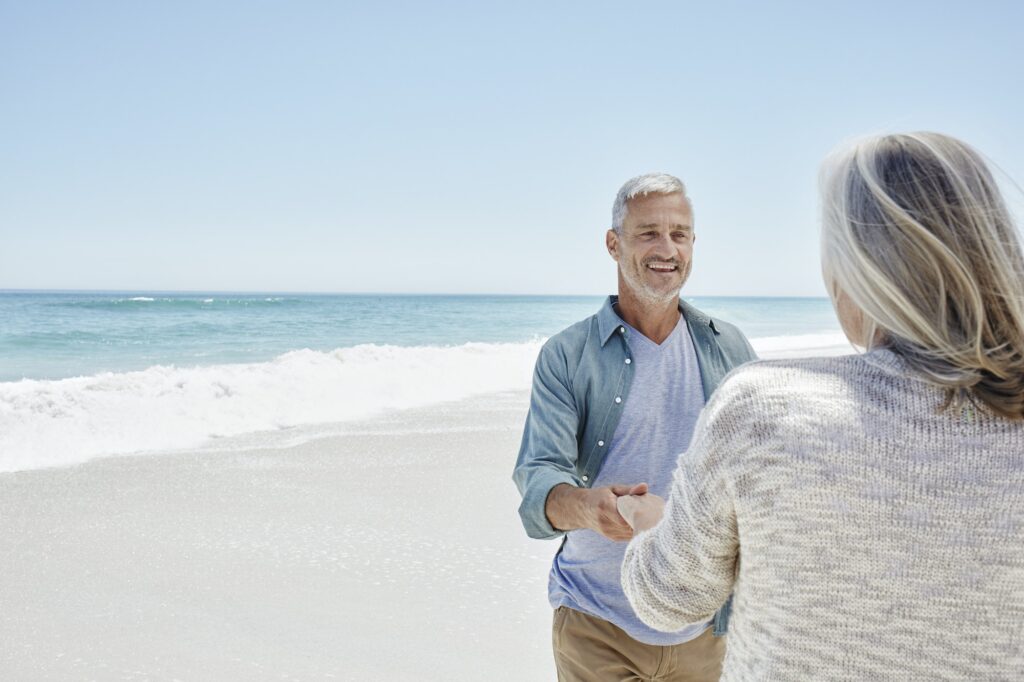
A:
(789, 384)
(762, 374)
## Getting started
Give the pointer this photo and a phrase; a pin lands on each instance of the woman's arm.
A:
(682, 569)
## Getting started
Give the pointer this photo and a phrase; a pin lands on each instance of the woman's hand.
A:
(641, 511)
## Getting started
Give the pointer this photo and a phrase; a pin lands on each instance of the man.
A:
(615, 399)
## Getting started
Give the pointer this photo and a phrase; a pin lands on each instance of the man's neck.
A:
(654, 320)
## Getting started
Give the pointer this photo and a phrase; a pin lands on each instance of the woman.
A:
(867, 511)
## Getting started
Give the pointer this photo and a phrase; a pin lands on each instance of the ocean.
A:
(87, 374)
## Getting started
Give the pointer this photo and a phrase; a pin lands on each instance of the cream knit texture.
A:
(864, 534)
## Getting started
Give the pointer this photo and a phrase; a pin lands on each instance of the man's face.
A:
(655, 248)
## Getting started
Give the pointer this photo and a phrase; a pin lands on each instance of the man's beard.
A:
(647, 295)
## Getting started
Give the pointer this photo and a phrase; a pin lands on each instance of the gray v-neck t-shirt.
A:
(657, 423)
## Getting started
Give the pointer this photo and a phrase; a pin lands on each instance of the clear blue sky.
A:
(476, 147)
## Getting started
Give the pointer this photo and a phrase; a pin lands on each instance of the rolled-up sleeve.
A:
(682, 570)
(549, 449)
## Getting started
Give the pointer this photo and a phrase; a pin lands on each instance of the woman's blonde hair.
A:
(916, 234)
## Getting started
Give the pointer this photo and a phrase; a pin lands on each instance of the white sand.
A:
(390, 552)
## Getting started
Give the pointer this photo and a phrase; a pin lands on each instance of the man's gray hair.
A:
(642, 185)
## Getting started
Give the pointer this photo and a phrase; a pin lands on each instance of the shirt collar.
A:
(608, 322)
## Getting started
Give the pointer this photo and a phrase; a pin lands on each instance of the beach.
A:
(322, 514)
(393, 551)
(275, 277)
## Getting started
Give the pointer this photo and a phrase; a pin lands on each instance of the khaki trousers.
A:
(589, 649)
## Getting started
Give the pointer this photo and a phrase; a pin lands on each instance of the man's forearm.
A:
(564, 507)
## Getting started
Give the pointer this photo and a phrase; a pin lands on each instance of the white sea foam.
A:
(827, 343)
(142, 298)
(67, 421)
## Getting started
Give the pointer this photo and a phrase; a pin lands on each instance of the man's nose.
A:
(665, 247)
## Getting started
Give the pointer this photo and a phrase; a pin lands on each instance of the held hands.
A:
(641, 511)
(602, 510)
(570, 508)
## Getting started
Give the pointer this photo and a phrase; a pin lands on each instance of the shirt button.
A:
(622, 330)
(600, 443)
(586, 478)
(618, 400)
(628, 361)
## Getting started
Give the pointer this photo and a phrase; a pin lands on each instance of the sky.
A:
(459, 147)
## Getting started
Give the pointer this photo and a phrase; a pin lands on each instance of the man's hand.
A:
(641, 512)
(571, 508)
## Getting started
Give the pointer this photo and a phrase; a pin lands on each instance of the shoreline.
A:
(301, 396)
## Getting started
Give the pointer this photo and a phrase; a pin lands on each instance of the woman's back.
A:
(879, 536)
(866, 511)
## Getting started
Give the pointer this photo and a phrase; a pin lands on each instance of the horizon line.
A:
(261, 292)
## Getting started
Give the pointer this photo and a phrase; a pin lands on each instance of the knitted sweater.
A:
(864, 534)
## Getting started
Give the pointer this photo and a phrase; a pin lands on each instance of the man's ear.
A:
(611, 241)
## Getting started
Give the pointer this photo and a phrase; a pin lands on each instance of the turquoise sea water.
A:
(52, 335)
(91, 374)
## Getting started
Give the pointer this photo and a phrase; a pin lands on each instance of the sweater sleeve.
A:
(682, 570)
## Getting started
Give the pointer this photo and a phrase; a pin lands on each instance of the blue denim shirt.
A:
(573, 413)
